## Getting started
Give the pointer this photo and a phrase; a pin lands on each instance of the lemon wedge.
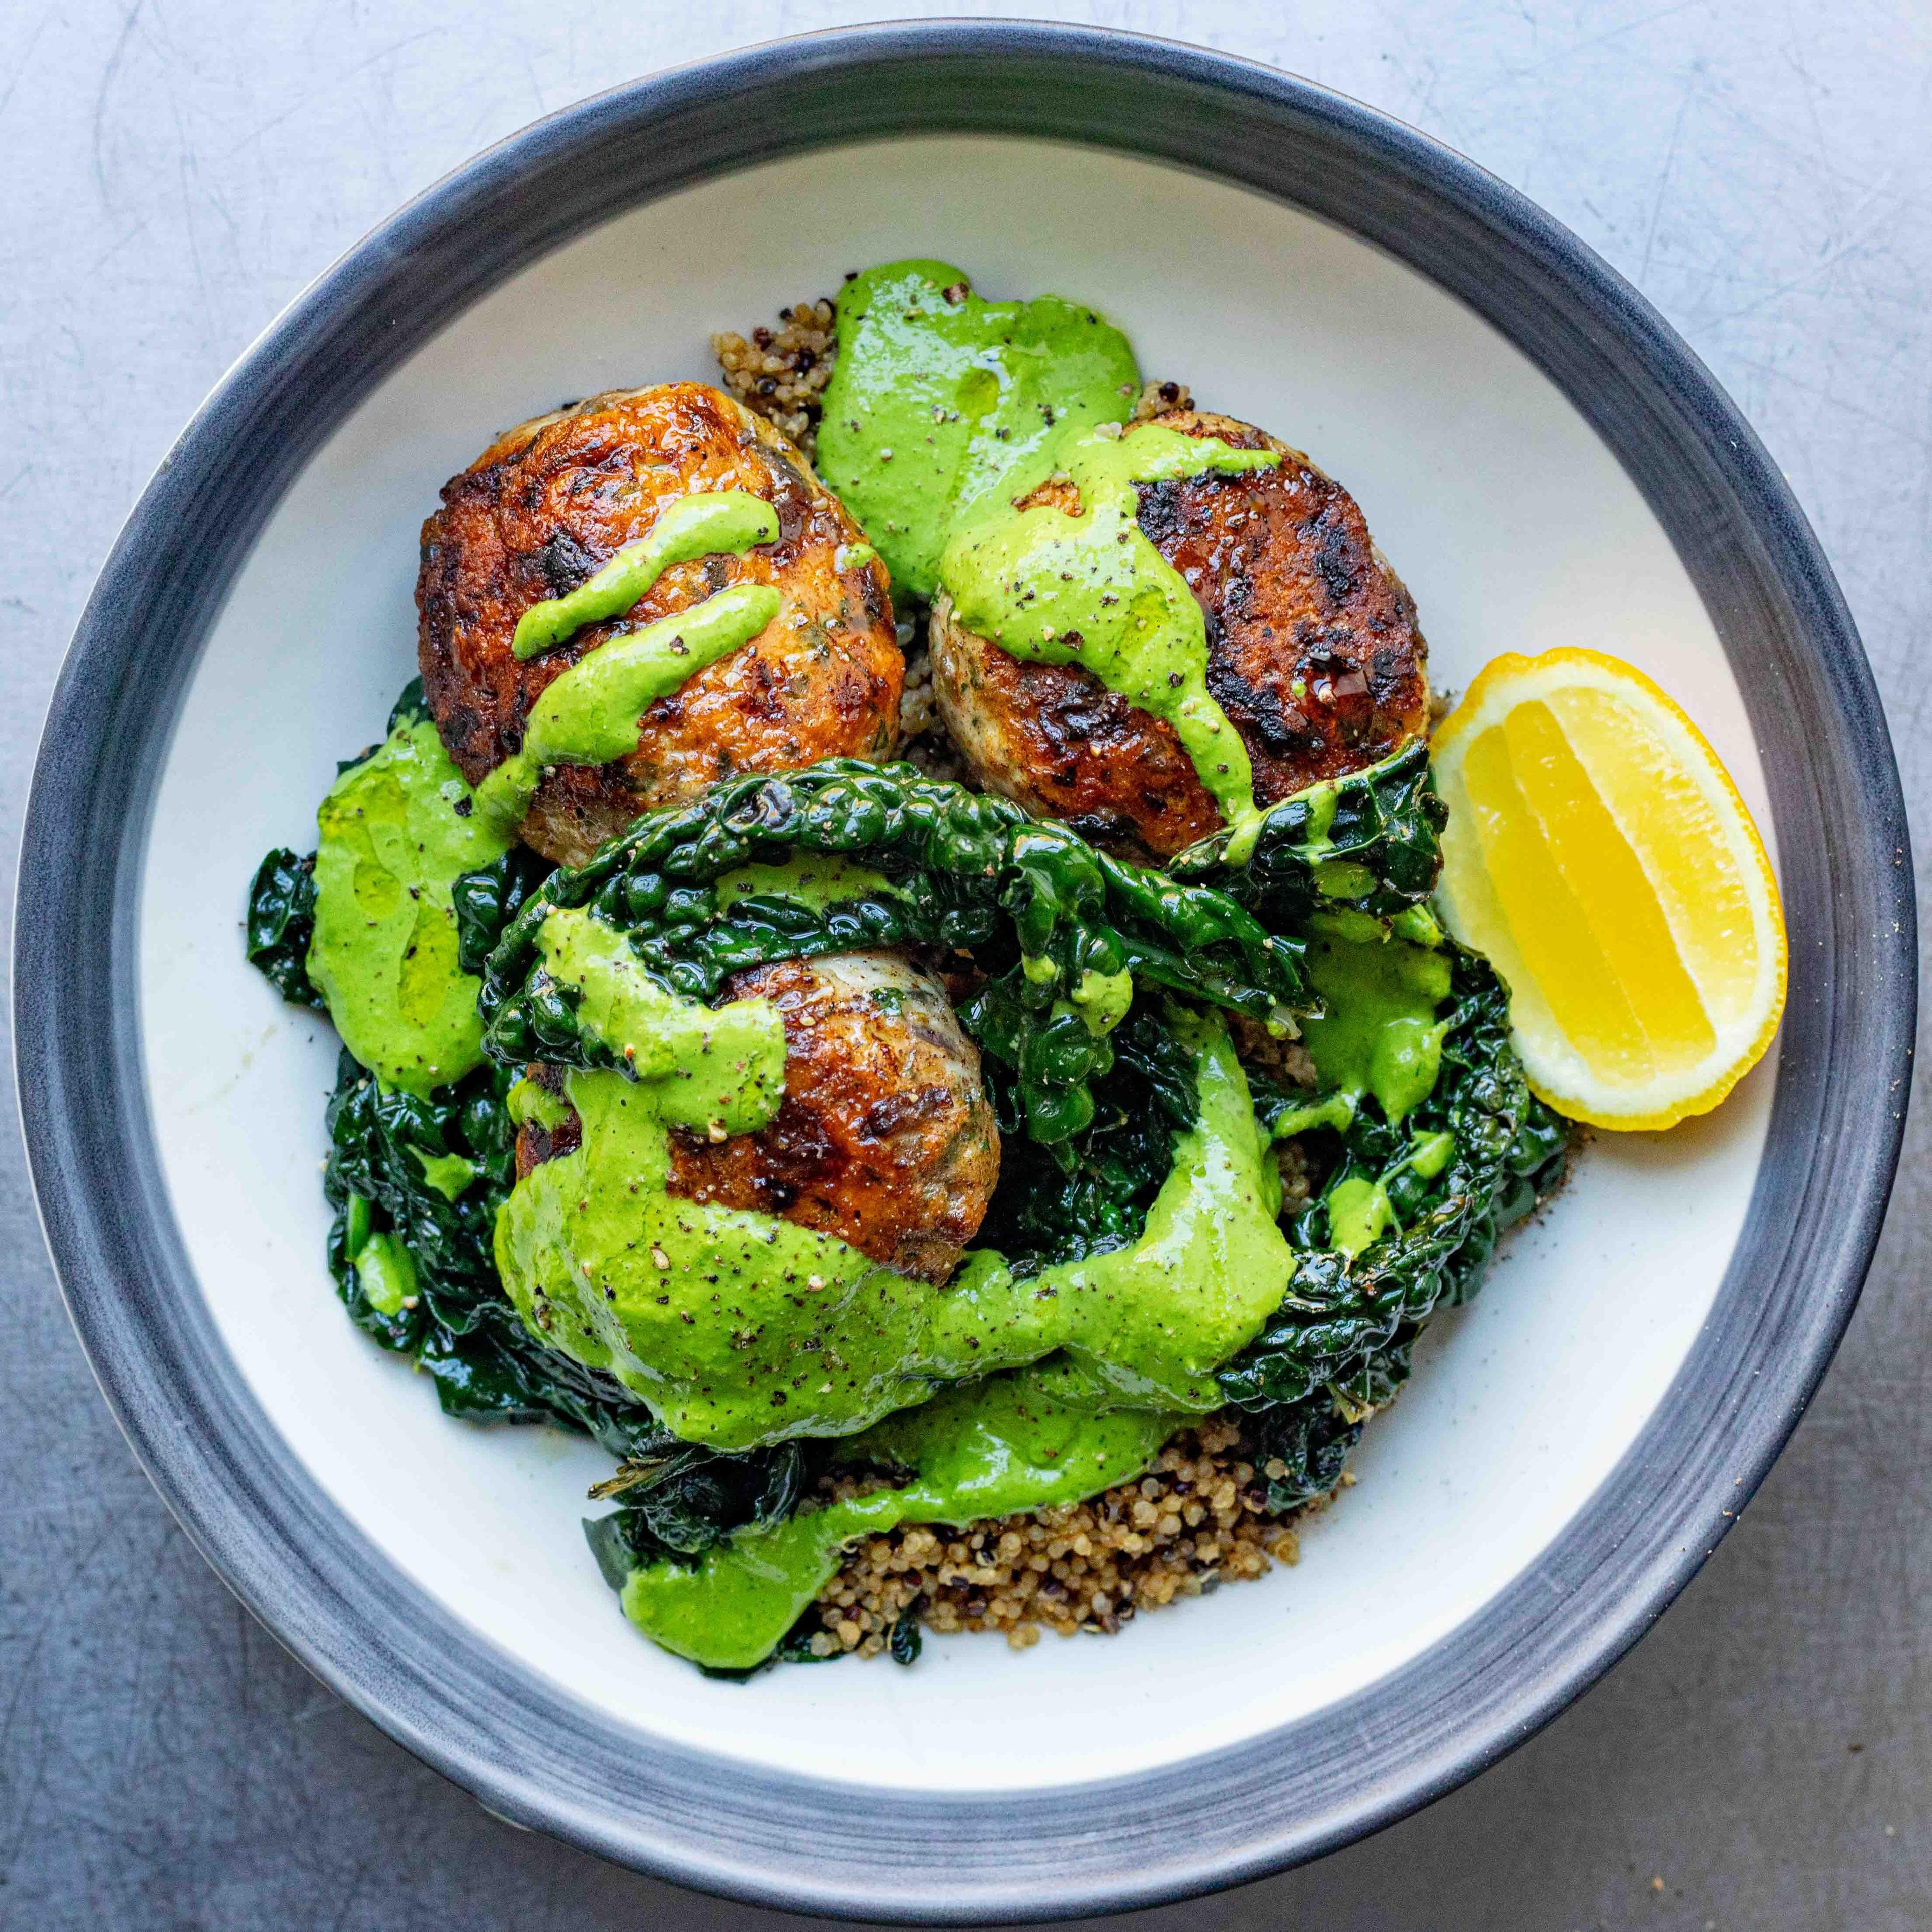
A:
(1598, 853)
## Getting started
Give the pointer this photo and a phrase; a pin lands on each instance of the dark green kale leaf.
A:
(1371, 840)
(1308, 1440)
(281, 923)
(455, 1318)
(904, 1643)
(1346, 1321)
(1041, 1214)
(1039, 907)
(1372, 1382)
(488, 899)
(681, 1501)
(409, 708)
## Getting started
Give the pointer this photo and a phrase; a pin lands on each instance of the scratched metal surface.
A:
(175, 173)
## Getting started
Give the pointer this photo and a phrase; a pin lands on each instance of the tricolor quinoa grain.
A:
(1198, 1519)
(782, 373)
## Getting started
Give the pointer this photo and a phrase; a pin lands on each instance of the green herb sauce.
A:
(386, 1271)
(704, 525)
(1379, 1033)
(713, 1069)
(1360, 1209)
(593, 713)
(1090, 590)
(1027, 1441)
(527, 1103)
(939, 401)
(1102, 1000)
(741, 1330)
(449, 1174)
(392, 842)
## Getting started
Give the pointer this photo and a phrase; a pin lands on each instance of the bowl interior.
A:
(1514, 528)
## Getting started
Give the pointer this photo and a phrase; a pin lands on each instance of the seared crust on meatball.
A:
(886, 1138)
(537, 1142)
(552, 501)
(1313, 652)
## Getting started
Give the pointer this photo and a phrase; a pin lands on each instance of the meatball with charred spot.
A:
(1313, 652)
(885, 1139)
(552, 501)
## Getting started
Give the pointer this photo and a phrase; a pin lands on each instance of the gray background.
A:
(172, 171)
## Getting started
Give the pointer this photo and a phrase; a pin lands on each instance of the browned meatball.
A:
(551, 502)
(1313, 651)
(886, 1138)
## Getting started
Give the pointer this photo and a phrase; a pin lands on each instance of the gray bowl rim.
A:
(539, 1757)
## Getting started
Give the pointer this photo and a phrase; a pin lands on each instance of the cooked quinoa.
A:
(1198, 1519)
(1200, 1516)
(923, 738)
(1155, 396)
(1287, 1060)
(782, 373)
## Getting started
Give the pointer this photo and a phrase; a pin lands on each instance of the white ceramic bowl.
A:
(1542, 464)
